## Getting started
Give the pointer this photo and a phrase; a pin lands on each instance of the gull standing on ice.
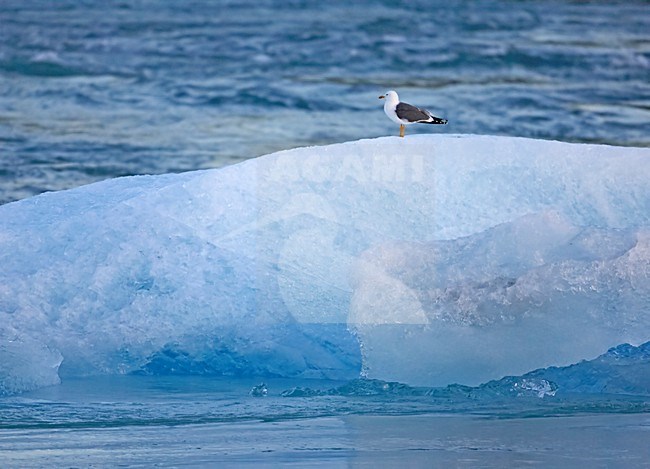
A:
(405, 114)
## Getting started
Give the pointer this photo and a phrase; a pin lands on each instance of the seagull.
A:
(405, 114)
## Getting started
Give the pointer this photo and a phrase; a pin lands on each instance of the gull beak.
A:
(382, 96)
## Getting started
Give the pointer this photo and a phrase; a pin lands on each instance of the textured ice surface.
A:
(519, 296)
(622, 370)
(437, 259)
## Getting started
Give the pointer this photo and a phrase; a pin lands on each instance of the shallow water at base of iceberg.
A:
(199, 421)
(613, 441)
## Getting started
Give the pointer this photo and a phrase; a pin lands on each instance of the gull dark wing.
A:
(411, 113)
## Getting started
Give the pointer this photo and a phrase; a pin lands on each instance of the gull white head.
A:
(390, 97)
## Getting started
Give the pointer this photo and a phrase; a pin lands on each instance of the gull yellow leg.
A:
(402, 127)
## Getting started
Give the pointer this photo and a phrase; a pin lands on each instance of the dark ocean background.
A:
(95, 89)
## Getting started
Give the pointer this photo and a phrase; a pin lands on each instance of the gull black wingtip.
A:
(436, 120)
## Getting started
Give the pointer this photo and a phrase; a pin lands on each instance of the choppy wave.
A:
(40, 68)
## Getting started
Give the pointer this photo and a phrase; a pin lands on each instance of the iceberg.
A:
(427, 260)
